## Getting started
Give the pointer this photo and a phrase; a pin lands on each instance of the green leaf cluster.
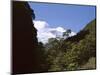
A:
(73, 52)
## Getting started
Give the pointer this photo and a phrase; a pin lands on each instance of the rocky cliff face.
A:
(25, 57)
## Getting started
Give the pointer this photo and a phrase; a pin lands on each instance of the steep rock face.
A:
(25, 57)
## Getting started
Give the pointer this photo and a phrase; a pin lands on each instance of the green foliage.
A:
(67, 33)
(42, 56)
(73, 52)
(72, 66)
(91, 64)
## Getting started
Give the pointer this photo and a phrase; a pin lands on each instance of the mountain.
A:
(86, 37)
(26, 57)
(89, 29)
(91, 26)
(73, 53)
(86, 43)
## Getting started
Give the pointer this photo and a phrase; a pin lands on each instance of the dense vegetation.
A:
(71, 53)
(59, 54)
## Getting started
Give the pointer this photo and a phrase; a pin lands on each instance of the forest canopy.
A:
(72, 53)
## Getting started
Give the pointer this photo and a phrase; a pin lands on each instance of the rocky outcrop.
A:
(25, 57)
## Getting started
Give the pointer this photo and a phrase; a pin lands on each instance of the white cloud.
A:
(40, 24)
(45, 31)
(72, 34)
(60, 29)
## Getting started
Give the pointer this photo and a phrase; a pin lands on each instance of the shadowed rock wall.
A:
(25, 57)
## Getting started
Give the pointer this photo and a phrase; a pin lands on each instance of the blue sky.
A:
(54, 19)
(73, 17)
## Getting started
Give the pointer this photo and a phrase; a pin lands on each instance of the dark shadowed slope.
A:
(25, 54)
